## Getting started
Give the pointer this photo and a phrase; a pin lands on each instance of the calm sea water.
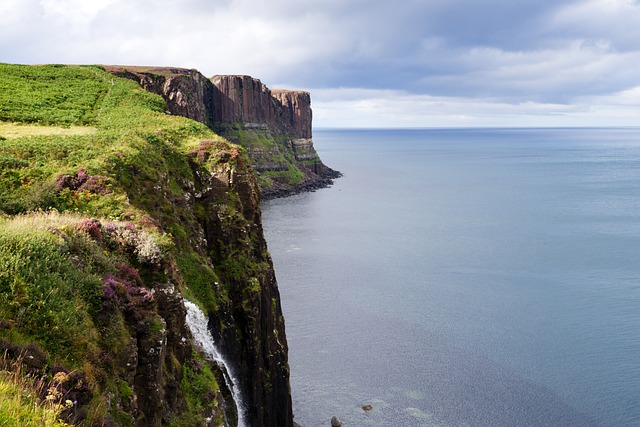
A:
(465, 278)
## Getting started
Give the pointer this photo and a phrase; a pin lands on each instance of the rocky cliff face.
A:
(275, 126)
(253, 329)
(242, 99)
(294, 112)
(278, 141)
(187, 92)
(247, 100)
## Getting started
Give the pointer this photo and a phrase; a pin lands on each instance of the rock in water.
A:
(335, 422)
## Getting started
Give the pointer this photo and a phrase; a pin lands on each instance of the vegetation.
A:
(101, 201)
(40, 95)
(272, 154)
(20, 403)
(200, 387)
(68, 288)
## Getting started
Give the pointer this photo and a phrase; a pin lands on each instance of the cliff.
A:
(294, 112)
(241, 99)
(275, 126)
(112, 212)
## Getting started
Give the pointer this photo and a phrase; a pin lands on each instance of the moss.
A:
(156, 324)
(200, 282)
(291, 177)
(253, 285)
(125, 390)
(201, 392)
(122, 418)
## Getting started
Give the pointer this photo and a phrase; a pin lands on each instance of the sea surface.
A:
(465, 277)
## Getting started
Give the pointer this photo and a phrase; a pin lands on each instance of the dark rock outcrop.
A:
(295, 112)
(188, 93)
(253, 334)
(242, 99)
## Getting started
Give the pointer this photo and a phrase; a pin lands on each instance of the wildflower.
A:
(91, 227)
(53, 394)
(61, 377)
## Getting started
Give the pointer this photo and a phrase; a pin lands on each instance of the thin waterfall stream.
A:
(198, 324)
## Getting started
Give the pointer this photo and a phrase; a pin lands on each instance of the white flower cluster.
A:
(150, 248)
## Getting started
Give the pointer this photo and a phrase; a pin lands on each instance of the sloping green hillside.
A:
(106, 206)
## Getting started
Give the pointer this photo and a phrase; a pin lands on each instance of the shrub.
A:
(40, 288)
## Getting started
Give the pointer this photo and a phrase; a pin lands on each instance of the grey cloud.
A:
(516, 51)
(513, 51)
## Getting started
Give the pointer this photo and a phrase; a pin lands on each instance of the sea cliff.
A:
(274, 126)
(116, 205)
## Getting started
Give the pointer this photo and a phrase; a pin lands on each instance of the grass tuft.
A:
(20, 404)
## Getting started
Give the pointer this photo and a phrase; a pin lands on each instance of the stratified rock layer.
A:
(254, 333)
(295, 112)
(242, 99)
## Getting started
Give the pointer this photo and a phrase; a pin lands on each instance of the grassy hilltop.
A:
(103, 198)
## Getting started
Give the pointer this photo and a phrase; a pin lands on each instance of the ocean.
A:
(465, 277)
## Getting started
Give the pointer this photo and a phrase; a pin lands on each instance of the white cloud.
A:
(454, 61)
(372, 109)
(613, 20)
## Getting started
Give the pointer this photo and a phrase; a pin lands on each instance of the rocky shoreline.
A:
(311, 185)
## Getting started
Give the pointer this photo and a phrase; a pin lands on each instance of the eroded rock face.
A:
(247, 100)
(253, 334)
(147, 360)
(252, 114)
(295, 111)
(187, 92)
(242, 99)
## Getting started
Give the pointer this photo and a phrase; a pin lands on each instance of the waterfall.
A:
(198, 324)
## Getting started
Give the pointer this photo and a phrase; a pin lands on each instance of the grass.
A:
(97, 204)
(41, 289)
(14, 130)
(50, 94)
(20, 404)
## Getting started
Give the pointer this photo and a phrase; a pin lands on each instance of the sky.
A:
(368, 63)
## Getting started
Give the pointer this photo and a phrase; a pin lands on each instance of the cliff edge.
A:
(274, 126)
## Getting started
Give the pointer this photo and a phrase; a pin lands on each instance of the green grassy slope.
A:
(96, 210)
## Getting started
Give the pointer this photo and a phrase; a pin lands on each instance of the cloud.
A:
(350, 107)
(509, 56)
